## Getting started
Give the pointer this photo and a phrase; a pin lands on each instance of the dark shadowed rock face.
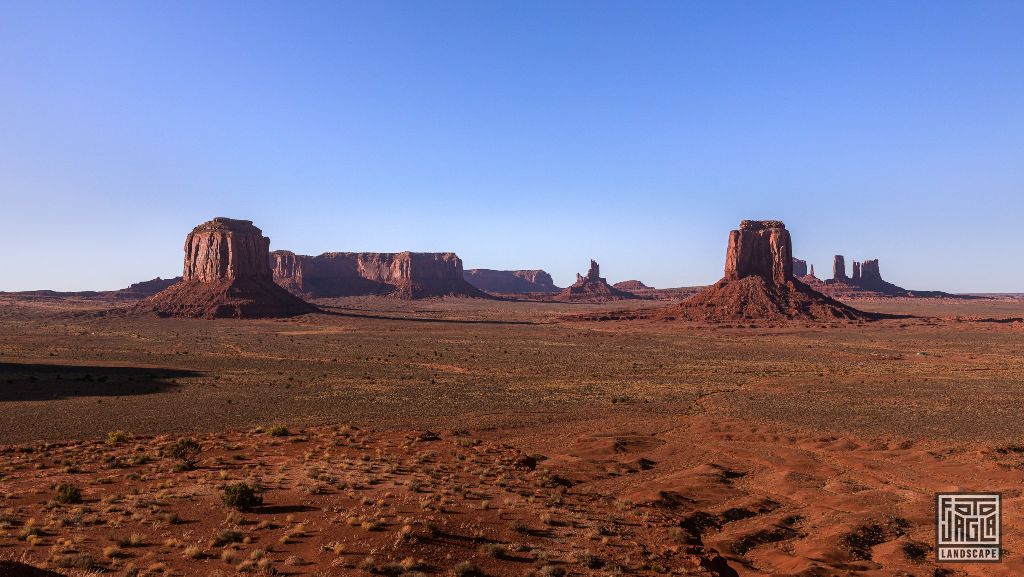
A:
(592, 288)
(856, 272)
(762, 248)
(799, 267)
(839, 267)
(869, 271)
(511, 281)
(408, 275)
(226, 274)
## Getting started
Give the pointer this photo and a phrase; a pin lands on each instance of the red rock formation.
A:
(812, 272)
(759, 247)
(592, 288)
(146, 288)
(839, 268)
(631, 285)
(511, 281)
(226, 274)
(408, 275)
(856, 272)
(759, 284)
(799, 267)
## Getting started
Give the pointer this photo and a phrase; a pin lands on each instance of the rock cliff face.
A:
(759, 284)
(226, 274)
(759, 247)
(511, 281)
(799, 267)
(592, 288)
(408, 275)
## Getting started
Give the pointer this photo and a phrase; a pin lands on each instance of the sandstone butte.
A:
(759, 284)
(407, 275)
(226, 274)
(511, 281)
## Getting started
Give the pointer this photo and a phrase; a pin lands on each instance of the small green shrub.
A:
(278, 431)
(118, 437)
(68, 494)
(241, 496)
(186, 452)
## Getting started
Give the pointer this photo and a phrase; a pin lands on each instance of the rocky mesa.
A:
(407, 275)
(511, 281)
(226, 274)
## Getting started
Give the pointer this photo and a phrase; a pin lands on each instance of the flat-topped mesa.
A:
(226, 273)
(762, 248)
(511, 281)
(839, 268)
(408, 275)
(799, 267)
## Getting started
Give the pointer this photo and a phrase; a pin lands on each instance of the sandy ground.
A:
(661, 447)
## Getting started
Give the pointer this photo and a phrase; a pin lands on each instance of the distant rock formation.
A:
(406, 275)
(592, 288)
(799, 267)
(759, 284)
(226, 274)
(839, 268)
(856, 272)
(511, 281)
(146, 288)
(812, 272)
(632, 285)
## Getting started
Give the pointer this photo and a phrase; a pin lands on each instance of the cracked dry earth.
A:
(557, 448)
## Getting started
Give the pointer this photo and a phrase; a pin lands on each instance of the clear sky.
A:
(517, 134)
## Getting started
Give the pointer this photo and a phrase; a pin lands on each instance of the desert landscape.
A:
(756, 427)
(571, 288)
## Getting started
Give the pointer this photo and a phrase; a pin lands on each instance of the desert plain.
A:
(463, 436)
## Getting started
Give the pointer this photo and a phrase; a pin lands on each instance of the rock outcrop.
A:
(592, 288)
(799, 267)
(511, 281)
(226, 274)
(759, 284)
(407, 275)
(146, 288)
(839, 267)
(632, 285)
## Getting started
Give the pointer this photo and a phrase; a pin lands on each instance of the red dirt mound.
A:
(240, 298)
(755, 297)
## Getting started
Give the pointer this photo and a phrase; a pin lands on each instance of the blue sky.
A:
(517, 134)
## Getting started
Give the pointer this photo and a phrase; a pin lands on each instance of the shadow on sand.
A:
(42, 382)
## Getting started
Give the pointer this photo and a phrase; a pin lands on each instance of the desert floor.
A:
(481, 437)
